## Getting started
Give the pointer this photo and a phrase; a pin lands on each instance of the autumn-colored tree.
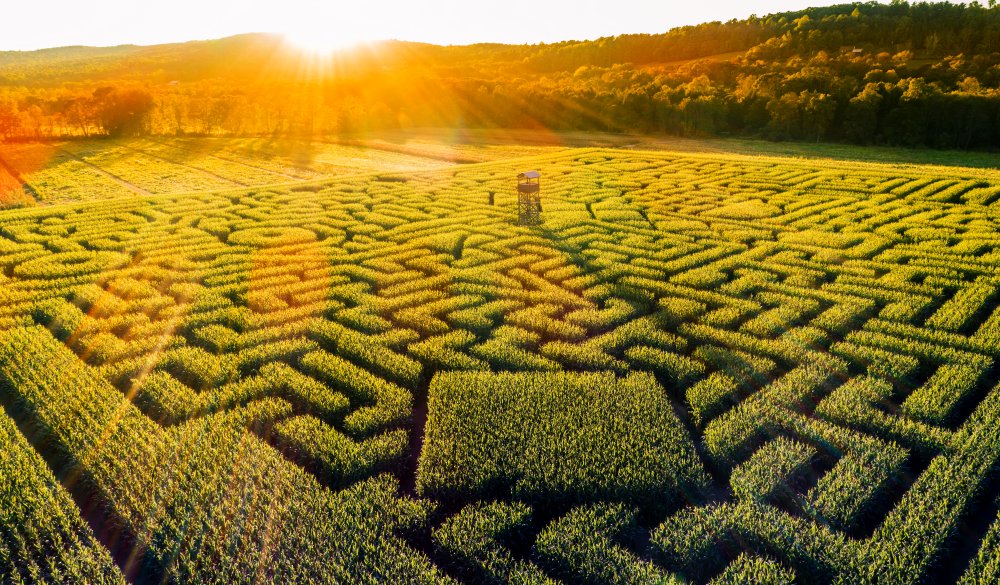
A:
(123, 112)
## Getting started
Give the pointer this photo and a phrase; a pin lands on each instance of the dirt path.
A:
(115, 178)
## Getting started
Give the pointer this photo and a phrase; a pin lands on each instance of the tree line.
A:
(902, 74)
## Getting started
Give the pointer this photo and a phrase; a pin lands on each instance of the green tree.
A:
(786, 119)
(818, 112)
(123, 112)
(861, 120)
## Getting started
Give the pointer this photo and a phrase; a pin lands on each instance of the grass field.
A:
(238, 361)
(79, 170)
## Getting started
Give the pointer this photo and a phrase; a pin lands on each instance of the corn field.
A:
(698, 368)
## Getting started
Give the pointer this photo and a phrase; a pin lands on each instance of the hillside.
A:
(898, 74)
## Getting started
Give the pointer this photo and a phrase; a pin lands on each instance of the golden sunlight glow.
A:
(114, 22)
(322, 40)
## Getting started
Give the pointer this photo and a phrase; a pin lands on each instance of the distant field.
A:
(842, 152)
(701, 367)
(478, 140)
(82, 170)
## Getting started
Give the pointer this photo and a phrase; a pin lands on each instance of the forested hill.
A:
(911, 74)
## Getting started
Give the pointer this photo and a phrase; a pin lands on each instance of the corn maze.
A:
(697, 369)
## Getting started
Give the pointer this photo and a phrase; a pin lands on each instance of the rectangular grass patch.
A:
(556, 438)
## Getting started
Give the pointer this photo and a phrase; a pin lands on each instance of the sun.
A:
(323, 41)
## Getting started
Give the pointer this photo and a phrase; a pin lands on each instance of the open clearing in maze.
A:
(698, 368)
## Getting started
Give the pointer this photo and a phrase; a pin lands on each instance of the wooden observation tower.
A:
(529, 198)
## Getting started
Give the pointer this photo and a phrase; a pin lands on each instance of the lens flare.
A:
(321, 40)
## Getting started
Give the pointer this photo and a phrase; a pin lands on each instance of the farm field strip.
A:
(57, 176)
(250, 171)
(131, 187)
(104, 169)
(147, 172)
(457, 152)
(305, 159)
(331, 157)
(287, 158)
(209, 169)
(367, 368)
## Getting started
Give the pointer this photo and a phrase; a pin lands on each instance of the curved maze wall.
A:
(241, 387)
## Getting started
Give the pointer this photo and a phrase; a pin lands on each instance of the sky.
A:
(35, 24)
